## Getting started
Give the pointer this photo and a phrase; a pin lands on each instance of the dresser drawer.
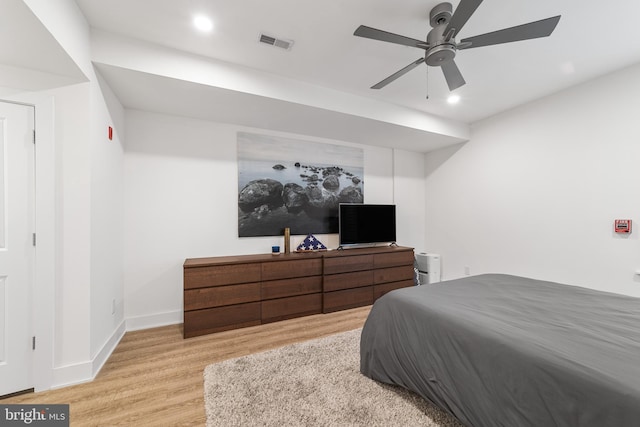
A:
(220, 275)
(393, 259)
(195, 299)
(356, 279)
(350, 298)
(200, 322)
(393, 274)
(345, 263)
(287, 308)
(294, 268)
(291, 287)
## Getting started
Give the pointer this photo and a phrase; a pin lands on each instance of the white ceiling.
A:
(29, 57)
(592, 38)
(327, 74)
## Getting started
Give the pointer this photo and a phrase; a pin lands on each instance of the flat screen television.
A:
(362, 224)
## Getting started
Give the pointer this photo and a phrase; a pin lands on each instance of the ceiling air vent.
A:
(272, 41)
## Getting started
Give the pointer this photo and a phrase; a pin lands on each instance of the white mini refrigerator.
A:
(428, 268)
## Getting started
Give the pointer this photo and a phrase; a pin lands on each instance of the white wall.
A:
(409, 196)
(72, 163)
(536, 190)
(88, 230)
(107, 222)
(181, 195)
(85, 174)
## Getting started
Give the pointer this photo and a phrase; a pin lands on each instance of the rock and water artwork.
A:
(284, 182)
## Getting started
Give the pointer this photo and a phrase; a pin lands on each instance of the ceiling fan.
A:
(440, 46)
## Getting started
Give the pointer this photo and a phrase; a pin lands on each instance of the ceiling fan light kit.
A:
(440, 46)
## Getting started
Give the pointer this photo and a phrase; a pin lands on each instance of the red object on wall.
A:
(622, 226)
(110, 133)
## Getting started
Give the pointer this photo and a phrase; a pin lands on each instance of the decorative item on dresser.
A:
(230, 292)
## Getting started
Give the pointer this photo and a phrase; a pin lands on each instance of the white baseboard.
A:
(105, 352)
(154, 320)
(79, 373)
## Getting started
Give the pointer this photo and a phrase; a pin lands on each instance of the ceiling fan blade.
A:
(532, 30)
(385, 36)
(453, 75)
(397, 74)
(460, 17)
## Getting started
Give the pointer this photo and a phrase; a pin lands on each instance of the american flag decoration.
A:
(311, 243)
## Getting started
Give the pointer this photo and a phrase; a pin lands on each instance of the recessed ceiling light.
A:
(202, 23)
(453, 99)
(568, 68)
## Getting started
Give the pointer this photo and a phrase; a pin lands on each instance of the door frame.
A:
(43, 293)
(44, 296)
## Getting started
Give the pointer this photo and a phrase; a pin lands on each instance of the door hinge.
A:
(34, 239)
(34, 136)
(33, 343)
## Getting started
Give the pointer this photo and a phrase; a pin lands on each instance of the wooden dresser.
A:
(229, 292)
(357, 277)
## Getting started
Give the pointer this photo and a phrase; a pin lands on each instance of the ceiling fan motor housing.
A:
(439, 55)
(440, 14)
(440, 51)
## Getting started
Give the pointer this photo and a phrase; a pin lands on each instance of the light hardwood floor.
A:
(155, 377)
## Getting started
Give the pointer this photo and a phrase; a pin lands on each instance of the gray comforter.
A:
(500, 350)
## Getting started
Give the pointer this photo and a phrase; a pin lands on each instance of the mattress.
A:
(502, 350)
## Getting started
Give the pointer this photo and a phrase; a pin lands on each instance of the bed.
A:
(502, 350)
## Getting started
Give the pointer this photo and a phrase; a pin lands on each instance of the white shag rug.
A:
(312, 383)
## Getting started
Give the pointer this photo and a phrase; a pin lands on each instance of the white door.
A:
(17, 251)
